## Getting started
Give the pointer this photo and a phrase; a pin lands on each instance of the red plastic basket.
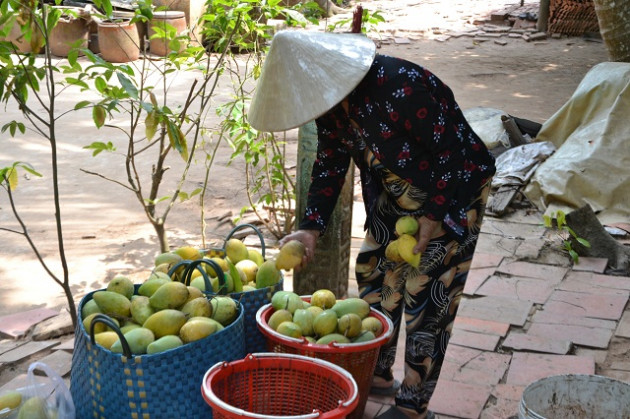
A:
(268, 385)
(359, 359)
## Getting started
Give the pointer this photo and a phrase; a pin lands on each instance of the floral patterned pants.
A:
(426, 297)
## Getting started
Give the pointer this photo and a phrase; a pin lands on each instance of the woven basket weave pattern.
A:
(165, 385)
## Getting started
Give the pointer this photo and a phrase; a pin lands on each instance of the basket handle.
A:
(102, 318)
(196, 264)
(256, 230)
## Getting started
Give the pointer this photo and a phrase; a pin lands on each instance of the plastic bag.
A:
(45, 397)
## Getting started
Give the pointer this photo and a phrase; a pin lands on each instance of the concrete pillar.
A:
(331, 264)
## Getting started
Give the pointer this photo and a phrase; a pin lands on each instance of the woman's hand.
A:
(427, 229)
(309, 239)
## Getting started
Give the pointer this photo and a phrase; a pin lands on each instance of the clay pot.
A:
(69, 29)
(162, 20)
(118, 41)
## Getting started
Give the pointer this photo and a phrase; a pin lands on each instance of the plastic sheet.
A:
(516, 165)
(487, 124)
(592, 135)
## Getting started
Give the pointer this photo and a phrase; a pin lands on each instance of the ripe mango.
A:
(151, 285)
(164, 344)
(141, 309)
(325, 323)
(256, 256)
(224, 309)
(99, 327)
(33, 408)
(407, 224)
(193, 293)
(315, 310)
(249, 268)
(349, 325)
(323, 298)
(138, 340)
(289, 329)
(373, 325)
(332, 337)
(354, 305)
(304, 318)
(278, 317)
(392, 253)
(268, 274)
(236, 250)
(90, 307)
(188, 252)
(165, 322)
(199, 307)
(112, 303)
(122, 285)
(406, 243)
(170, 295)
(197, 328)
(290, 255)
(106, 339)
(169, 258)
(10, 400)
(219, 261)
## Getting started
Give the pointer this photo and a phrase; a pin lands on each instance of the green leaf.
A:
(561, 219)
(177, 139)
(100, 84)
(12, 178)
(547, 221)
(99, 146)
(131, 90)
(151, 124)
(583, 242)
(574, 255)
(98, 115)
(82, 104)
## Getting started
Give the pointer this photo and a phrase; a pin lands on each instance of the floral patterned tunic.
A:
(405, 121)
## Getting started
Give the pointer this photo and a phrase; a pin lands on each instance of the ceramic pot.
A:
(118, 41)
(163, 20)
(69, 29)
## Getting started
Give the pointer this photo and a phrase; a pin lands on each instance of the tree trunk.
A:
(585, 224)
(614, 25)
(331, 263)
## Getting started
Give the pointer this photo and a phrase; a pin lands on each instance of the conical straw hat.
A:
(305, 74)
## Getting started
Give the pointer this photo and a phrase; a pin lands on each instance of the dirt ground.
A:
(106, 233)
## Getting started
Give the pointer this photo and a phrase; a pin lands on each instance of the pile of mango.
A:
(324, 319)
(163, 315)
(26, 407)
(244, 269)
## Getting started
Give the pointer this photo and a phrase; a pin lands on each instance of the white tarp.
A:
(592, 135)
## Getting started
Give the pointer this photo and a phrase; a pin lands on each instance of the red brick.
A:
(526, 368)
(623, 330)
(474, 340)
(603, 281)
(585, 283)
(460, 355)
(485, 260)
(476, 278)
(586, 336)
(508, 392)
(591, 264)
(550, 316)
(458, 399)
(501, 409)
(598, 306)
(528, 342)
(533, 270)
(509, 310)
(481, 326)
(528, 289)
(16, 325)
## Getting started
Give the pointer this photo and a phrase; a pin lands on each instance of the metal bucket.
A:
(575, 396)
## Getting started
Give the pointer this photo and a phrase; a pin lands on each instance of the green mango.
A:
(112, 303)
(171, 295)
(164, 344)
(332, 337)
(358, 306)
(138, 340)
(141, 309)
(151, 285)
(165, 322)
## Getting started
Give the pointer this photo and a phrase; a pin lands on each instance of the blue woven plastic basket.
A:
(164, 385)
